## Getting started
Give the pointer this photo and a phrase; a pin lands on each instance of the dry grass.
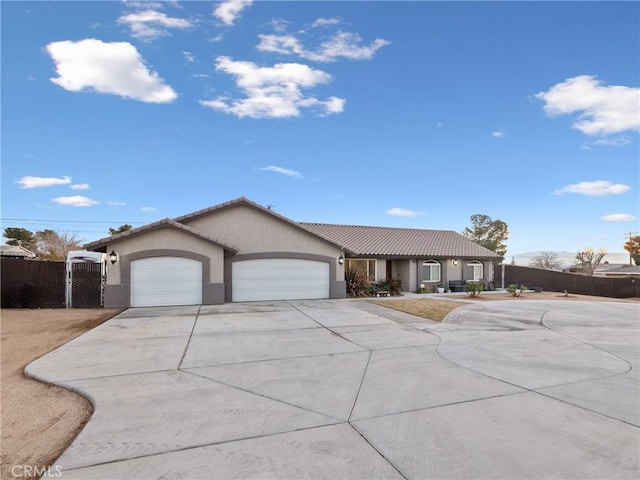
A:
(432, 308)
(421, 307)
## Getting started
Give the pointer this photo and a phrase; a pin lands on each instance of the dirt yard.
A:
(39, 421)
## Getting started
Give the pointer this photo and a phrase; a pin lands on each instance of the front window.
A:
(431, 271)
(363, 265)
(475, 271)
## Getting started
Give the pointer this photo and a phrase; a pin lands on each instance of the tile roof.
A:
(401, 242)
(167, 222)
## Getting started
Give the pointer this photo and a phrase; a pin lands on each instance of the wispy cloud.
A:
(111, 203)
(598, 188)
(227, 12)
(148, 209)
(403, 212)
(148, 25)
(273, 92)
(80, 186)
(499, 133)
(75, 201)
(188, 56)
(36, 182)
(618, 217)
(114, 68)
(282, 171)
(323, 22)
(601, 109)
(341, 45)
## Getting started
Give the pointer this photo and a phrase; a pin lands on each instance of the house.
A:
(241, 251)
(16, 251)
(617, 270)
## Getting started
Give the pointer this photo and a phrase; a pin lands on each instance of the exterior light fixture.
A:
(340, 260)
(454, 263)
(113, 257)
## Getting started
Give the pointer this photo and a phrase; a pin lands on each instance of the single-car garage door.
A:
(158, 281)
(279, 279)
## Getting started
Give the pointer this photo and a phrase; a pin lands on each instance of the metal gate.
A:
(85, 285)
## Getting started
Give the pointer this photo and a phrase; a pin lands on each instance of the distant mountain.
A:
(567, 258)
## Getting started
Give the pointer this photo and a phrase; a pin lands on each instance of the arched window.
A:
(431, 271)
(475, 270)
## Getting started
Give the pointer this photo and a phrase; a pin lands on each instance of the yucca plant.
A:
(358, 284)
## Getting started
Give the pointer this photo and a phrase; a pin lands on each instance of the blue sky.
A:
(409, 114)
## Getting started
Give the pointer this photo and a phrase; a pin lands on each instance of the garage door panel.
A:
(163, 281)
(280, 279)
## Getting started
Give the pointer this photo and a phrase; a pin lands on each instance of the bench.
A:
(382, 293)
(457, 285)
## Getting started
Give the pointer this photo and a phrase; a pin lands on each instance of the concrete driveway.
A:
(345, 389)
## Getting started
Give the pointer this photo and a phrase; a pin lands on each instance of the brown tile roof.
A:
(165, 223)
(401, 242)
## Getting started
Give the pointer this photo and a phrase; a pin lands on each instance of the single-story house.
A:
(16, 251)
(617, 270)
(241, 251)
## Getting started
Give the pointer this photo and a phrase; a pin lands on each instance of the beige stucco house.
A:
(241, 251)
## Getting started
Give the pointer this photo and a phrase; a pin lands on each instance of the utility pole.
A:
(630, 235)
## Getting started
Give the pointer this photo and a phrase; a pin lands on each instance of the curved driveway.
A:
(346, 389)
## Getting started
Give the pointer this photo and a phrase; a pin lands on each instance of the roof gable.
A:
(243, 201)
(165, 223)
(402, 242)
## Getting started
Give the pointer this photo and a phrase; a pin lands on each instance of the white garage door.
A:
(159, 281)
(279, 279)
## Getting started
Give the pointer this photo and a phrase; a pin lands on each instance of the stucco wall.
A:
(167, 239)
(250, 231)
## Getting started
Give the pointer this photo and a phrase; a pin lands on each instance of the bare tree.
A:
(55, 246)
(588, 259)
(546, 260)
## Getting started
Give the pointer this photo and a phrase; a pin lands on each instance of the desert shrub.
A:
(473, 289)
(515, 289)
(393, 286)
(358, 284)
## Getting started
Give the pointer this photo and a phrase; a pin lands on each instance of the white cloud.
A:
(229, 10)
(402, 212)
(147, 209)
(75, 201)
(341, 45)
(35, 182)
(602, 110)
(111, 203)
(618, 217)
(283, 171)
(499, 133)
(598, 188)
(612, 142)
(273, 92)
(149, 24)
(80, 186)
(322, 22)
(188, 56)
(113, 68)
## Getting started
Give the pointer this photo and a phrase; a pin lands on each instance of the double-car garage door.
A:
(279, 279)
(161, 281)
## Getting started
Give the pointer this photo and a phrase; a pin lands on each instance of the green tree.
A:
(632, 246)
(122, 228)
(489, 233)
(20, 237)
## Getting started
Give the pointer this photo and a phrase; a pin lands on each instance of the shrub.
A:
(394, 287)
(358, 284)
(515, 290)
(473, 289)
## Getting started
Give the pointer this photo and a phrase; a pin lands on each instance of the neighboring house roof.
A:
(618, 270)
(15, 251)
(248, 203)
(401, 242)
(165, 223)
